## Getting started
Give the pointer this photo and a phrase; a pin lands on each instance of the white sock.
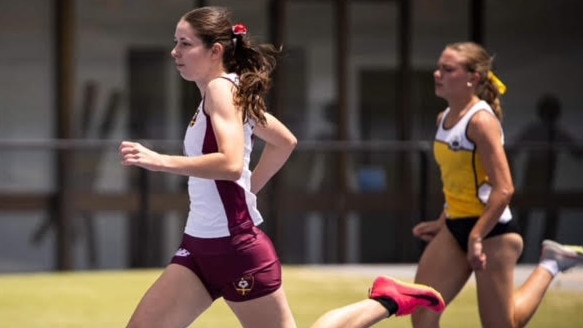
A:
(550, 265)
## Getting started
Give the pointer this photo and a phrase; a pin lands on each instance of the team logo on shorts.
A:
(244, 285)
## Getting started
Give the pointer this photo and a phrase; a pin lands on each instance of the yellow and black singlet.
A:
(465, 183)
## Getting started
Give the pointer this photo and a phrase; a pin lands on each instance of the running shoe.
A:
(408, 296)
(567, 256)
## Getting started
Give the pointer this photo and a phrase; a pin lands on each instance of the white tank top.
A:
(218, 208)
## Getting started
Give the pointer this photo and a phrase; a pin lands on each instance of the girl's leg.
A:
(529, 296)
(444, 267)
(387, 296)
(525, 301)
(176, 299)
(364, 313)
(495, 283)
(500, 305)
(270, 311)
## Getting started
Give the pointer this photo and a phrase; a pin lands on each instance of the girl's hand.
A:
(476, 255)
(134, 154)
(427, 230)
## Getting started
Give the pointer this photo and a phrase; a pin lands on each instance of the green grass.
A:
(107, 299)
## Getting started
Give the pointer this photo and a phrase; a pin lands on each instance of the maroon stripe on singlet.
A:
(233, 199)
(209, 144)
(232, 195)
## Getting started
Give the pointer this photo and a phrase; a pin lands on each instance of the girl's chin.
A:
(186, 77)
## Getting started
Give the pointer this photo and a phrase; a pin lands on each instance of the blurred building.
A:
(355, 85)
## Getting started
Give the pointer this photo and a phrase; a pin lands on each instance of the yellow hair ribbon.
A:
(499, 84)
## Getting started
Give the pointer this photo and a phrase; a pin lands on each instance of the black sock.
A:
(389, 304)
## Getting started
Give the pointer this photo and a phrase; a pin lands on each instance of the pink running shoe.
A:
(408, 296)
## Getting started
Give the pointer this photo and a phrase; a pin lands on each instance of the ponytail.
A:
(254, 65)
(490, 90)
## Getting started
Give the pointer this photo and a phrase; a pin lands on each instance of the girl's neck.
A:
(202, 85)
(460, 106)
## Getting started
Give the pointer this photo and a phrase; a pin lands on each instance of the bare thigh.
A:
(270, 311)
(443, 266)
(496, 283)
(175, 299)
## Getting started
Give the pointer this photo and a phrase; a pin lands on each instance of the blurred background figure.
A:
(541, 140)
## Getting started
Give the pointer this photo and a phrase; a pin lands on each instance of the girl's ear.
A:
(217, 49)
(476, 78)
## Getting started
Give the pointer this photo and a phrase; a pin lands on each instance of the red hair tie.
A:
(239, 29)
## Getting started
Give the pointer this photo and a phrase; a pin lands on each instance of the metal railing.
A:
(391, 180)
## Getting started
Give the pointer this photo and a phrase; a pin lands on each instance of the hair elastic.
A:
(239, 29)
(499, 84)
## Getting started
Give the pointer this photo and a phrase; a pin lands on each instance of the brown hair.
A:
(252, 63)
(479, 61)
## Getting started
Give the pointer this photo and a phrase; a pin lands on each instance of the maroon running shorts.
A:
(238, 268)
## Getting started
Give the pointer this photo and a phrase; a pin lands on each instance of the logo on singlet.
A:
(455, 144)
(244, 285)
(182, 252)
(193, 120)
